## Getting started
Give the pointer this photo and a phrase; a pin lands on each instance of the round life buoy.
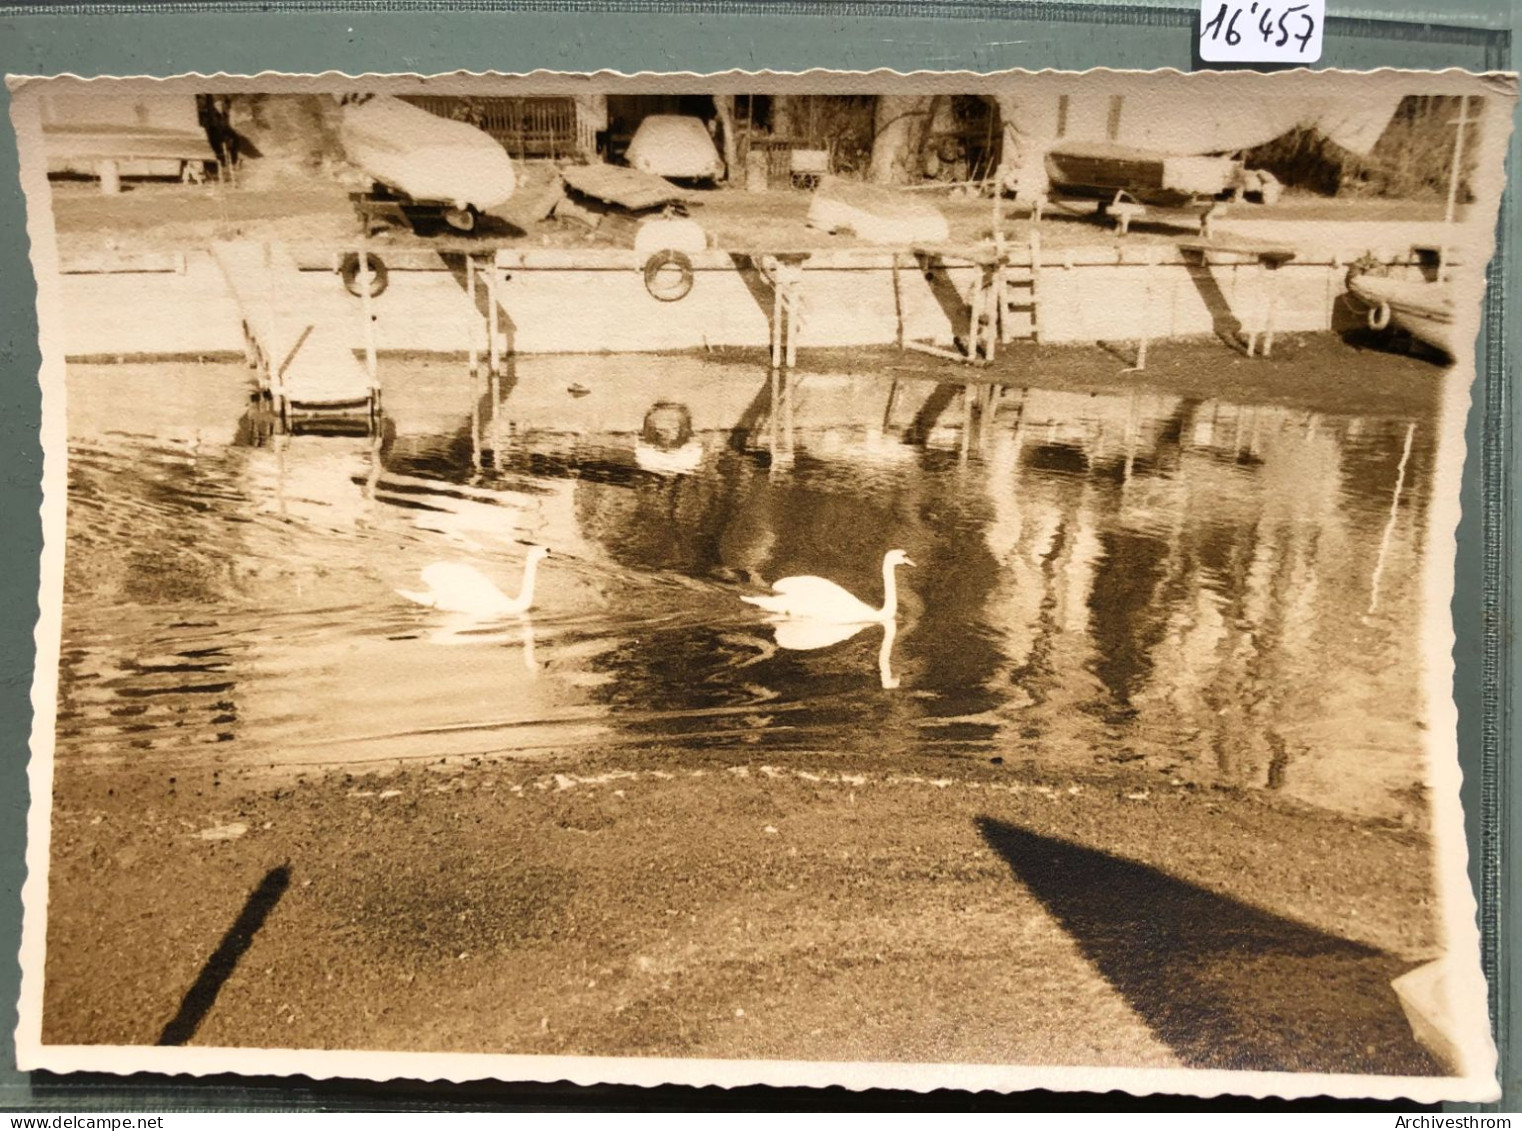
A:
(380, 278)
(668, 276)
(1379, 316)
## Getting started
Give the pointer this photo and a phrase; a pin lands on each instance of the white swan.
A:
(816, 599)
(454, 587)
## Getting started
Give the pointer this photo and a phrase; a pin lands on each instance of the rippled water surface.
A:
(1201, 590)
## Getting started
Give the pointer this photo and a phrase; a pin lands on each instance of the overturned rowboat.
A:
(426, 159)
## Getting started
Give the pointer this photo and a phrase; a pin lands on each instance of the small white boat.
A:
(1422, 309)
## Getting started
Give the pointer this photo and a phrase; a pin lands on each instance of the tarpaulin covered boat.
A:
(425, 157)
(1160, 148)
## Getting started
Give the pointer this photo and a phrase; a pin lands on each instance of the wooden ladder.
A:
(1017, 291)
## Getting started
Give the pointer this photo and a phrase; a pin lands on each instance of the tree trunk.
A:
(1030, 129)
(900, 122)
(783, 123)
(724, 107)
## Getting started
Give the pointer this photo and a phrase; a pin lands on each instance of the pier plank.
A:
(304, 363)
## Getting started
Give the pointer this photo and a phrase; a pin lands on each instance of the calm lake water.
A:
(1181, 590)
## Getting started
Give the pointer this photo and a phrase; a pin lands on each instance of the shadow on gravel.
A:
(1225, 985)
(224, 960)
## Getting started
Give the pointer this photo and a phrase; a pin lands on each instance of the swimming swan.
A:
(454, 587)
(816, 599)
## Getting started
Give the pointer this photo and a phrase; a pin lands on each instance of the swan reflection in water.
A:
(806, 635)
(460, 628)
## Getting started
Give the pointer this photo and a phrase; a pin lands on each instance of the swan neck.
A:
(890, 592)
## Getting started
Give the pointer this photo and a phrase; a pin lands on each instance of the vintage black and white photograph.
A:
(926, 581)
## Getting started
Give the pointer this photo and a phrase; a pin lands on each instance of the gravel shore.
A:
(676, 905)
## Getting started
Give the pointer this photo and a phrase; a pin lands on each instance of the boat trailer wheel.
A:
(1379, 316)
(668, 276)
(380, 278)
(462, 219)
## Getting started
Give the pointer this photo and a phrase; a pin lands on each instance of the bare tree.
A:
(724, 108)
(900, 125)
(783, 115)
(1029, 129)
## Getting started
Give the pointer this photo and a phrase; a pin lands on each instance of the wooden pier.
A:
(1006, 292)
(306, 366)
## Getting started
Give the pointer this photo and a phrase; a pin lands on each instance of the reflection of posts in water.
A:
(475, 421)
(475, 368)
(1149, 268)
(980, 405)
(494, 420)
(967, 399)
(1133, 426)
(889, 405)
(1384, 541)
(781, 417)
(988, 413)
(280, 442)
(375, 465)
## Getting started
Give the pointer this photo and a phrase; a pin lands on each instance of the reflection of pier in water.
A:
(1158, 578)
(1122, 577)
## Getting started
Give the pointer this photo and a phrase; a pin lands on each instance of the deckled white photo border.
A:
(1477, 1082)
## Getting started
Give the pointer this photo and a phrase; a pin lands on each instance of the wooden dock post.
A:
(774, 407)
(998, 313)
(790, 306)
(789, 385)
(1268, 279)
(1035, 280)
(985, 315)
(1149, 266)
(493, 347)
(776, 333)
(366, 281)
(470, 333)
(898, 303)
(273, 368)
(1268, 315)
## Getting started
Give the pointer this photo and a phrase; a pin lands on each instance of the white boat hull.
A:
(1422, 309)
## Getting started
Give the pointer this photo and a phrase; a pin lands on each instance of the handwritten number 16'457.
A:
(1293, 23)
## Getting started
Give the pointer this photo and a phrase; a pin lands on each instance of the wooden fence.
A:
(544, 128)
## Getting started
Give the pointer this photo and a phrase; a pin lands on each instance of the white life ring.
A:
(668, 276)
(1379, 316)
